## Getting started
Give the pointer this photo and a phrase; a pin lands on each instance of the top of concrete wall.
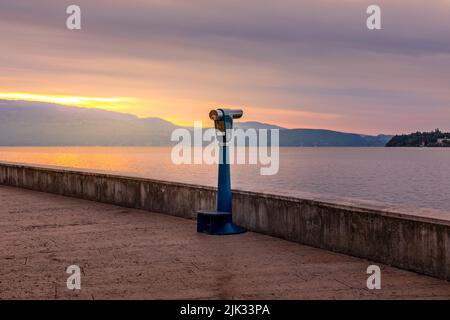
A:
(417, 214)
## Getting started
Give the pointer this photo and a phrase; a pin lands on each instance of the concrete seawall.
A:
(419, 242)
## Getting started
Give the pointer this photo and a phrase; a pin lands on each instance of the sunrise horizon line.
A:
(59, 101)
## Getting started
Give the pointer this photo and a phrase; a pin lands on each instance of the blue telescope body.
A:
(220, 222)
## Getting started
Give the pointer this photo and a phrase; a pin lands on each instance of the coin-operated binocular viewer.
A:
(220, 222)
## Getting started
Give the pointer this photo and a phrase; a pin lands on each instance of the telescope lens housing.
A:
(216, 115)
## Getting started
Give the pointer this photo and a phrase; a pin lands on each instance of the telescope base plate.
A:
(217, 223)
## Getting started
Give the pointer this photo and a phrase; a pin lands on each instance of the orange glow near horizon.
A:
(172, 110)
(137, 107)
(114, 103)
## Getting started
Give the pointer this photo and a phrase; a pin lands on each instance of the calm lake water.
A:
(411, 177)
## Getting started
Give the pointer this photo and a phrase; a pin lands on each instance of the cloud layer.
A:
(291, 62)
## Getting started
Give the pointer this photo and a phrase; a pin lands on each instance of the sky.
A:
(294, 63)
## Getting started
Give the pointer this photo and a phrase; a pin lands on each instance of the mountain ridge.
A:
(26, 123)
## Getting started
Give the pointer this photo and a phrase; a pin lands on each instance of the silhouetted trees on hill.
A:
(434, 138)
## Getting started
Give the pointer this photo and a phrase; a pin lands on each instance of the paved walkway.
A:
(133, 254)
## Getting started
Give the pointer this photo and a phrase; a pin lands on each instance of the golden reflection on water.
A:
(116, 159)
(149, 162)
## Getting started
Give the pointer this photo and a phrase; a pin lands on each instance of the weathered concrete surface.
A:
(414, 242)
(129, 253)
(418, 241)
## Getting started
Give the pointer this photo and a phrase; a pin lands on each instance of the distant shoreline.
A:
(433, 139)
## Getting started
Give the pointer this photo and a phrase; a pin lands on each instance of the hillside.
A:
(25, 123)
(42, 124)
(328, 138)
(435, 138)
